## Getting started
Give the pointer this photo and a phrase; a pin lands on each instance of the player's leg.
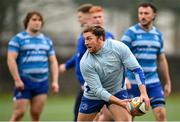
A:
(21, 101)
(20, 107)
(160, 113)
(77, 104)
(89, 108)
(37, 105)
(86, 117)
(39, 97)
(157, 101)
(120, 113)
(104, 115)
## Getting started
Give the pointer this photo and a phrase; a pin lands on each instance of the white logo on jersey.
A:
(139, 36)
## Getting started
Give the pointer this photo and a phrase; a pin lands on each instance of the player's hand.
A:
(55, 87)
(128, 83)
(167, 89)
(62, 68)
(19, 84)
(125, 102)
(82, 88)
(145, 98)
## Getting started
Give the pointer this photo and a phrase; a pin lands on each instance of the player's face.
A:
(146, 16)
(91, 42)
(84, 19)
(34, 24)
(98, 19)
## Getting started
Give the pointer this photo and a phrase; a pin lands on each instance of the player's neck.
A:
(147, 27)
(32, 33)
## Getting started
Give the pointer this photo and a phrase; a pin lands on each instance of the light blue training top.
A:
(104, 71)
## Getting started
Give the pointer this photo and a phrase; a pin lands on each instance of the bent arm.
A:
(70, 63)
(93, 81)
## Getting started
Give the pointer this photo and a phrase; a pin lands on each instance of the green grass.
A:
(60, 108)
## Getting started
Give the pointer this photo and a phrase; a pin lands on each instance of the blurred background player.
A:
(102, 67)
(90, 15)
(84, 19)
(29, 54)
(146, 43)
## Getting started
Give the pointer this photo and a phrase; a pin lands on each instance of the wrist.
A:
(17, 79)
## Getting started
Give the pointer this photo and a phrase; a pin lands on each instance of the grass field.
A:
(60, 108)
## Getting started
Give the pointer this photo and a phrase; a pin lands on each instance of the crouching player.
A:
(102, 67)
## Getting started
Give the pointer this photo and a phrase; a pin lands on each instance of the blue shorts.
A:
(154, 92)
(31, 89)
(88, 106)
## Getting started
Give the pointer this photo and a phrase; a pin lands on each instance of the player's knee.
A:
(160, 114)
(35, 114)
(18, 115)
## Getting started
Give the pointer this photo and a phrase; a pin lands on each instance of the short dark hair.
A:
(84, 8)
(98, 31)
(148, 4)
(29, 16)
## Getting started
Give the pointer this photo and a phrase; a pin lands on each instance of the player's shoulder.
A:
(134, 28)
(156, 30)
(21, 35)
(86, 61)
(45, 37)
(115, 44)
(108, 33)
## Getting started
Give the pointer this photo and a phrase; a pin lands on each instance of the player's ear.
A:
(154, 16)
(100, 38)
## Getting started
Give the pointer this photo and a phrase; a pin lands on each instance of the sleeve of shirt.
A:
(51, 50)
(81, 49)
(70, 63)
(93, 81)
(131, 63)
(128, 37)
(161, 42)
(14, 45)
(109, 35)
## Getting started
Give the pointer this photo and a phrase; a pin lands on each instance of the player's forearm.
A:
(142, 89)
(13, 69)
(139, 76)
(164, 70)
(54, 70)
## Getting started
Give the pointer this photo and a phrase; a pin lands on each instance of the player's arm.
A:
(93, 81)
(13, 68)
(70, 63)
(131, 63)
(54, 73)
(81, 49)
(164, 72)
